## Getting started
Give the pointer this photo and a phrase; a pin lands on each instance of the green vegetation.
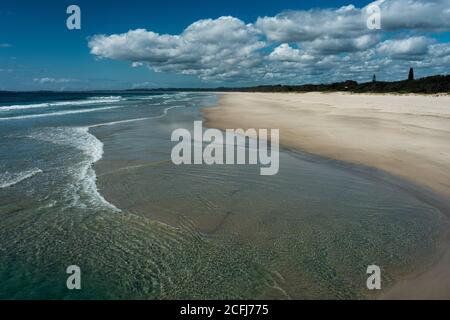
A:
(428, 85)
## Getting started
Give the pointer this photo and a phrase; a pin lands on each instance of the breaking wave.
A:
(89, 101)
(83, 190)
(8, 179)
(58, 113)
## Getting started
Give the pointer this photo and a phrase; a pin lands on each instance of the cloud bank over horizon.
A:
(317, 45)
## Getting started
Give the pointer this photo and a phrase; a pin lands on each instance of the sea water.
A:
(86, 179)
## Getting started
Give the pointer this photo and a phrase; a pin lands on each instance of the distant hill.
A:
(428, 85)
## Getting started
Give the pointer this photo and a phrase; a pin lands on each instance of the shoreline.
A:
(265, 111)
(317, 124)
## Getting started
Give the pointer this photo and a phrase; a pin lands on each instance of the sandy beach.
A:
(405, 135)
(96, 186)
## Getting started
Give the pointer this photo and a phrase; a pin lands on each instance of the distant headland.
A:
(427, 85)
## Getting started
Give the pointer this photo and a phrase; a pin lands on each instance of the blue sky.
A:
(38, 52)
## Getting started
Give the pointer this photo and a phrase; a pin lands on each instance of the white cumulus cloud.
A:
(410, 48)
(317, 45)
(211, 49)
(46, 80)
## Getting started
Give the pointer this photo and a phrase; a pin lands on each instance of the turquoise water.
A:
(86, 179)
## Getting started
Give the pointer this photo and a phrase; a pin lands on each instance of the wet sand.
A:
(405, 135)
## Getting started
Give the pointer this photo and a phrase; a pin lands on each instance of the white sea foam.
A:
(24, 106)
(106, 98)
(177, 100)
(165, 111)
(83, 191)
(119, 122)
(89, 101)
(146, 97)
(8, 179)
(162, 95)
(58, 113)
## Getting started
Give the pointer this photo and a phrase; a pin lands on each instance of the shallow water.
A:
(88, 180)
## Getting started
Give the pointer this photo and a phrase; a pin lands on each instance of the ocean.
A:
(86, 179)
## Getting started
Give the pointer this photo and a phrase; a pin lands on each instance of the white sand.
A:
(406, 135)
